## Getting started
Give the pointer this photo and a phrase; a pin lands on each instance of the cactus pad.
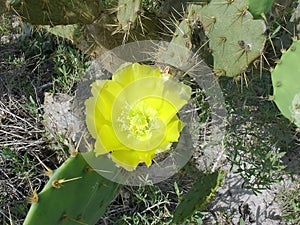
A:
(64, 31)
(75, 194)
(259, 7)
(198, 196)
(286, 83)
(53, 12)
(236, 39)
(178, 52)
(128, 11)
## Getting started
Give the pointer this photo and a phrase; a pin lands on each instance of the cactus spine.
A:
(179, 51)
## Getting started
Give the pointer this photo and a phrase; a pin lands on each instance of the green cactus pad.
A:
(128, 11)
(64, 31)
(54, 12)
(178, 52)
(198, 196)
(259, 7)
(81, 200)
(236, 39)
(286, 83)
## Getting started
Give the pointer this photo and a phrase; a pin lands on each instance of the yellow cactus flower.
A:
(134, 116)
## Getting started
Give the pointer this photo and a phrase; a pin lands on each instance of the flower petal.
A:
(130, 159)
(107, 141)
(132, 72)
(168, 94)
(106, 96)
(166, 110)
(172, 135)
(99, 106)
(173, 130)
(90, 116)
(176, 93)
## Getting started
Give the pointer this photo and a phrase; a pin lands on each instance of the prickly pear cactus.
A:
(64, 31)
(235, 38)
(178, 52)
(286, 83)
(128, 11)
(55, 12)
(92, 39)
(198, 196)
(75, 194)
(259, 7)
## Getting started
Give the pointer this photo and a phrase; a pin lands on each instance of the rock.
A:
(60, 118)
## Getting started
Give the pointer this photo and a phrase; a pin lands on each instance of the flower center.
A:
(139, 125)
(141, 120)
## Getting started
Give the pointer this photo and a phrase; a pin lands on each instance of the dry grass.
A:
(22, 144)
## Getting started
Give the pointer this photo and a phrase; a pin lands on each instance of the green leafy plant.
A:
(289, 201)
(153, 206)
(70, 65)
(257, 165)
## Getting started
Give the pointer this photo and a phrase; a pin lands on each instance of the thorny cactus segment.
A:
(54, 12)
(259, 8)
(286, 83)
(235, 39)
(92, 39)
(179, 51)
(133, 116)
(96, 38)
(64, 31)
(128, 11)
(198, 196)
(75, 194)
